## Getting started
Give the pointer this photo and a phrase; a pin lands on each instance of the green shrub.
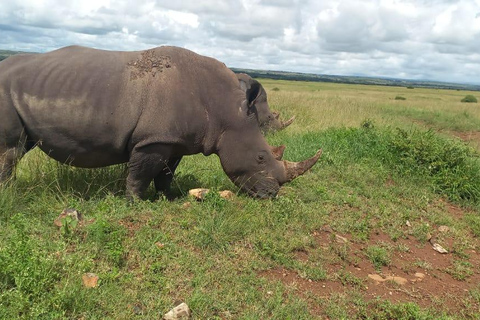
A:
(410, 87)
(275, 89)
(469, 98)
(453, 167)
(400, 98)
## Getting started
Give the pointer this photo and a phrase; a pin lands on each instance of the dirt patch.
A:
(415, 273)
(149, 63)
(471, 137)
(467, 136)
(455, 211)
(133, 224)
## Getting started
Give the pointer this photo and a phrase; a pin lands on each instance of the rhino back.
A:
(200, 98)
(92, 107)
(74, 102)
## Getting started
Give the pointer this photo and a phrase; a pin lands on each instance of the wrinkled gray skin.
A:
(268, 121)
(92, 108)
(257, 99)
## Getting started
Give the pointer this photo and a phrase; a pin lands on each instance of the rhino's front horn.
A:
(279, 123)
(295, 169)
(287, 123)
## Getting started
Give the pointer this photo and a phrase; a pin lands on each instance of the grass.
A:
(212, 254)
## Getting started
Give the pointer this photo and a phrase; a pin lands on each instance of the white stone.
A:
(182, 311)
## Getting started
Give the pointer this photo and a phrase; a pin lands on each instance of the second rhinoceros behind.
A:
(257, 99)
(93, 108)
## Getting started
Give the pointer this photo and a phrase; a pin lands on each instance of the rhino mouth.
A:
(260, 187)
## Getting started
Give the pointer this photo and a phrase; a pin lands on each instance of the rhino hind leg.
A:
(163, 180)
(144, 165)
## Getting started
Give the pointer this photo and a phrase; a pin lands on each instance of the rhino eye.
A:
(261, 158)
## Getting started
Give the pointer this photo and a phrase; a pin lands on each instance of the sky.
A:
(409, 39)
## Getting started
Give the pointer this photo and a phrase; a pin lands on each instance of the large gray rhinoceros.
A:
(257, 97)
(93, 108)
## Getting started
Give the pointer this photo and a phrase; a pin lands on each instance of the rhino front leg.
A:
(164, 179)
(144, 165)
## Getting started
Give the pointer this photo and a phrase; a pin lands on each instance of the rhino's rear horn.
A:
(295, 169)
(278, 152)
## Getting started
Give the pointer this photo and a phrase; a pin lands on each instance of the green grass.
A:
(212, 254)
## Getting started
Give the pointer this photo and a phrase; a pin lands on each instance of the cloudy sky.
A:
(413, 39)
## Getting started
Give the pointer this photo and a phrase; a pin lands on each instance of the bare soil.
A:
(472, 137)
(417, 272)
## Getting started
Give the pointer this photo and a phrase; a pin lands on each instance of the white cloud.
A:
(424, 39)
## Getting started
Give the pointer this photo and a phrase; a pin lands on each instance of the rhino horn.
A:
(282, 124)
(295, 169)
(287, 123)
(278, 152)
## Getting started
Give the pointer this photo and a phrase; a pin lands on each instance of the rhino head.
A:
(257, 99)
(255, 167)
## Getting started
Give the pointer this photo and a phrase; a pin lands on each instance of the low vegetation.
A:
(390, 175)
(469, 98)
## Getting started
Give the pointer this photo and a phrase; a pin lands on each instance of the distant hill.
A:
(4, 54)
(283, 75)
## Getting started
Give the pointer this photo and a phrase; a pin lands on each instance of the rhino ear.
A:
(244, 85)
(251, 87)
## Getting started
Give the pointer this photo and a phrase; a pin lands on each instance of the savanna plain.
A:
(354, 238)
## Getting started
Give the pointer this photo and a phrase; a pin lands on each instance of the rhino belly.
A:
(82, 154)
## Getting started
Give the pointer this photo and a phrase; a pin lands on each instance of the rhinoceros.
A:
(94, 108)
(257, 97)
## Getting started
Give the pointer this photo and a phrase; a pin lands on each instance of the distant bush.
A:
(275, 89)
(410, 87)
(400, 98)
(367, 124)
(469, 98)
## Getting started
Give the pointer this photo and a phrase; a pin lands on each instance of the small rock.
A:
(198, 193)
(340, 239)
(439, 248)
(226, 194)
(376, 277)
(159, 245)
(182, 311)
(90, 280)
(327, 228)
(399, 280)
(137, 309)
(419, 275)
(443, 229)
(269, 293)
(408, 223)
(73, 213)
